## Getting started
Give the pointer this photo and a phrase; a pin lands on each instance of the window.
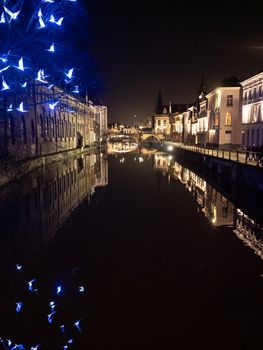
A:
(159, 123)
(255, 93)
(259, 113)
(164, 123)
(216, 120)
(229, 101)
(32, 132)
(260, 91)
(12, 129)
(42, 126)
(249, 95)
(254, 114)
(228, 119)
(23, 129)
(245, 97)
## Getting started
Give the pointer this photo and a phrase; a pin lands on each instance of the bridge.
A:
(146, 136)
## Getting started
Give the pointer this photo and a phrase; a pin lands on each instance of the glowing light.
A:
(24, 85)
(4, 85)
(81, 289)
(59, 290)
(35, 347)
(170, 148)
(65, 347)
(77, 325)
(18, 266)
(52, 48)
(9, 109)
(19, 306)
(3, 69)
(13, 15)
(62, 327)
(52, 305)
(41, 76)
(50, 86)
(30, 283)
(20, 64)
(49, 317)
(2, 19)
(70, 341)
(70, 73)
(18, 346)
(58, 22)
(49, 1)
(76, 90)
(3, 59)
(52, 106)
(22, 110)
(41, 23)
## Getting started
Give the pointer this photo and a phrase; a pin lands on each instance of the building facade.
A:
(252, 106)
(44, 121)
(223, 118)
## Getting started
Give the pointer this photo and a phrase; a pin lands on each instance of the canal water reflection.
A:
(147, 253)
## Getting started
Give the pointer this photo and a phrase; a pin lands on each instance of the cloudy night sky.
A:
(142, 47)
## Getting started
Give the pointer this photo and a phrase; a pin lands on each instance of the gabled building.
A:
(167, 120)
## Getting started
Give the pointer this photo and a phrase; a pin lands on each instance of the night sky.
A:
(141, 47)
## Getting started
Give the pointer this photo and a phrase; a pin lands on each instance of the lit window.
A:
(229, 101)
(259, 113)
(254, 114)
(216, 120)
(228, 118)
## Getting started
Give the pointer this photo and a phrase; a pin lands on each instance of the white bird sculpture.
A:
(58, 22)
(13, 15)
(22, 110)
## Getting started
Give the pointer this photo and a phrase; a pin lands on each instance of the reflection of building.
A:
(249, 232)
(252, 120)
(44, 200)
(216, 208)
(44, 129)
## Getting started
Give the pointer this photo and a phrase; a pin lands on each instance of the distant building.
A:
(167, 120)
(252, 119)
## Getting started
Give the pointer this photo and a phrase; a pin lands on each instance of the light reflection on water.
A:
(218, 210)
(44, 202)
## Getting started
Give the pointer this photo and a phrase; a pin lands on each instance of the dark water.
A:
(166, 261)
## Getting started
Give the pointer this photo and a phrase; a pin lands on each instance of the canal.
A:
(136, 251)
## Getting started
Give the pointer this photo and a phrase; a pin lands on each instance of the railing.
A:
(237, 155)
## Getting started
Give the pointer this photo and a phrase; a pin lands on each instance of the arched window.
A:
(23, 129)
(47, 126)
(33, 132)
(54, 127)
(12, 129)
(42, 125)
